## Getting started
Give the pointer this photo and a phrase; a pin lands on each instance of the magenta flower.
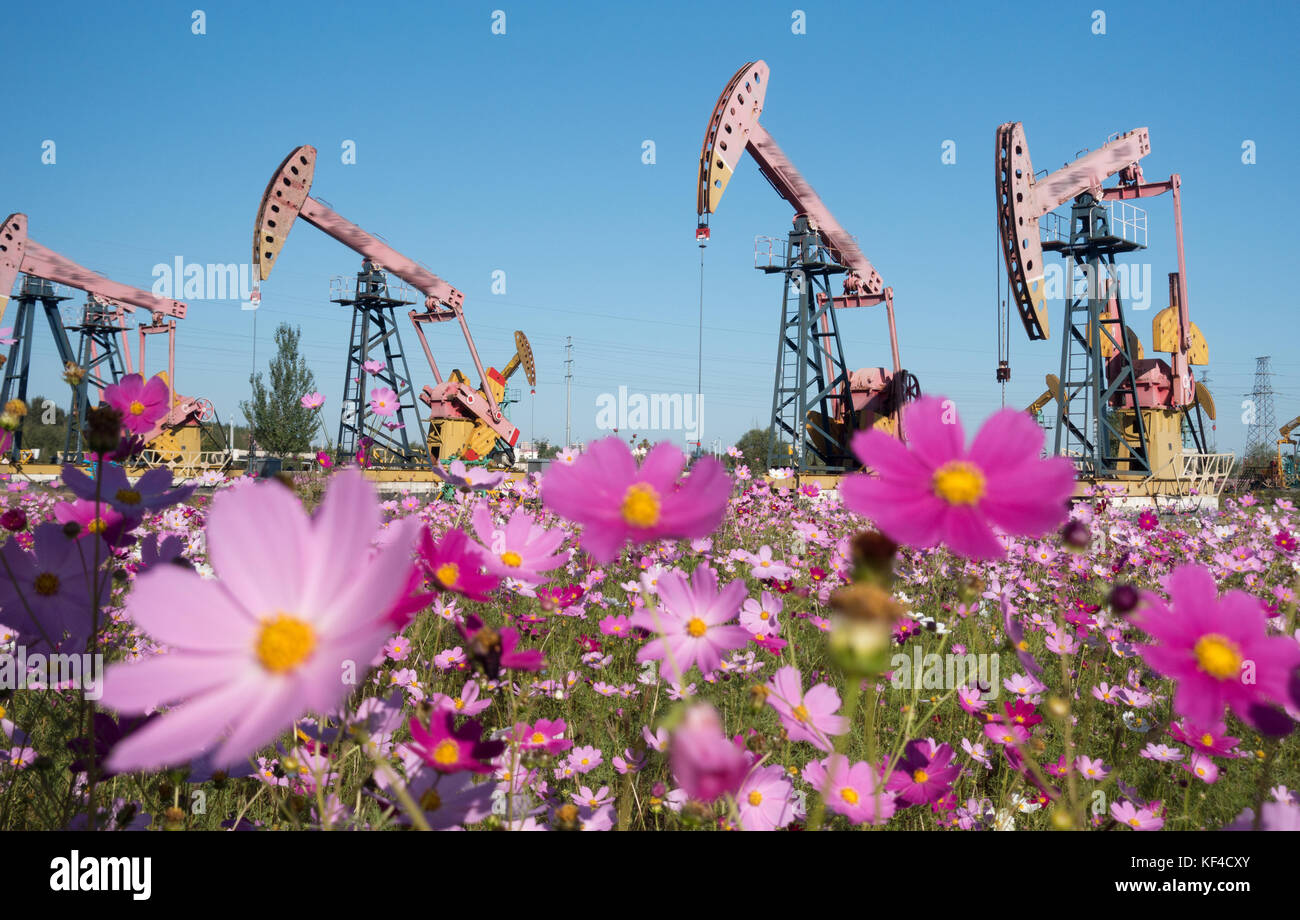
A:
(313, 401)
(704, 761)
(936, 491)
(449, 749)
(925, 772)
(383, 401)
(324, 459)
(1090, 768)
(453, 564)
(546, 735)
(851, 791)
(691, 622)
(522, 549)
(616, 502)
(496, 649)
(806, 716)
(1218, 650)
(373, 366)
(143, 405)
(267, 640)
(1202, 767)
(101, 520)
(469, 478)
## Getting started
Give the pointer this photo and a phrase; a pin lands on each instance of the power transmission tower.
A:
(1264, 430)
(568, 391)
(1212, 436)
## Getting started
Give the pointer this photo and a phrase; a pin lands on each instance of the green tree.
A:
(45, 427)
(753, 446)
(279, 423)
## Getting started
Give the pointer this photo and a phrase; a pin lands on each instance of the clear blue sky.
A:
(522, 152)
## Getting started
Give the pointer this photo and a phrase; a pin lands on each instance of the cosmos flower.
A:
(704, 761)
(934, 490)
(617, 502)
(1217, 650)
(851, 791)
(47, 594)
(313, 400)
(383, 401)
(453, 563)
(1140, 819)
(151, 492)
(925, 773)
(765, 801)
(691, 625)
(268, 638)
(143, 405)
(806, 716)
(470, 478)
(448, 749)
(522, 549)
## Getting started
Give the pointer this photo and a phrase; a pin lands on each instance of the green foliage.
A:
(753, 446)
(279, 423)
(45, 427)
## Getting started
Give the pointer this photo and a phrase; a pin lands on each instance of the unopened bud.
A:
(1123, 599)
(173, 819)
(103, 429)
(873, 557)
(866, 602)
(566, 818)
(72, 374)
(1076, 536)
(16, 407)
(758, 697)
(860, 647)
(71, 529)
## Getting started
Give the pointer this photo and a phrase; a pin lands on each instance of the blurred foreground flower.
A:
(934, 490)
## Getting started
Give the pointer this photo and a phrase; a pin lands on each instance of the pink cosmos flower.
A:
(466, 703)
(1218, 650)
(266, 640)
(313, 401)
(449, 749)
(852, 791)
(143, 405)
(806, 716)
(691, 622)
(1140, 819)
(522, 549)
(373, 366)
(383, 401)
(324, 459)
(765, 800)
(616, 502)
(469, 478)
(934, 490)
(1091, 769)
(705, 762)
(454, 562)
(761, 618)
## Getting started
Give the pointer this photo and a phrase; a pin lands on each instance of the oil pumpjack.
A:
(817, 402)
(464, 422)
(1121, 418)
(103, 350)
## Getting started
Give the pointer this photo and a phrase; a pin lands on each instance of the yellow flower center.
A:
(920, 776)
(1207, 739)
(447, 573)
(641, 505)
(47, 584)
(447, 752)
(756, 798)
(284, 643)
(696, 627)
(430, 801)
(959, 483)
(1135, 822)
(137, 407)
(128, 496)
(460, 704)
(1218, 656)
(849, 794)
(538, 738)
(800, 713)
(511, 558)
(97, 526)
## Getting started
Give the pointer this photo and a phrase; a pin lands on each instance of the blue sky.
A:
(522, 153)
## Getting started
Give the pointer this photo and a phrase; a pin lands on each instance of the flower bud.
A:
(103, 429)
(566, 818)
(1076, 536)
(873, 557)
(72, 374)
(860, 647)
(16, 407)
(1123, 599)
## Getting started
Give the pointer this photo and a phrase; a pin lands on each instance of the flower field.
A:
(625, 643)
